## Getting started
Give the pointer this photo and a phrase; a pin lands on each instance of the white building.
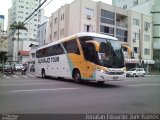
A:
(19, 11)
(42, 29)
(147, 7)
(90, 16)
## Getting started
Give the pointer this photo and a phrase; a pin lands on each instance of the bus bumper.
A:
(102, 76)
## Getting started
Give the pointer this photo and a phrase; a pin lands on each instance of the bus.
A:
(82, 56)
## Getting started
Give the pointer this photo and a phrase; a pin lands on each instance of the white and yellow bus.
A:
(82, 56)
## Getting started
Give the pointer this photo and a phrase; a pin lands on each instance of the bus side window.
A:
(71, 46)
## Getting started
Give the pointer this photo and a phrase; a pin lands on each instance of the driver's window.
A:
(104, 52)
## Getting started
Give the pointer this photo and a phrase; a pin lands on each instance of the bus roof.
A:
(95, 35)
(79, 35)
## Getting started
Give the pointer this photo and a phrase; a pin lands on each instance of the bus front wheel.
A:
(77, 76)
(101, 82)
(43, 74)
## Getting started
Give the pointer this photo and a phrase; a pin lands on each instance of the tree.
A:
(18, 26)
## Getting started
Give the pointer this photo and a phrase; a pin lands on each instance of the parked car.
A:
(18, 67)
(136, 72)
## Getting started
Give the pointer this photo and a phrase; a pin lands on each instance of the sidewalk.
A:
(152, 75)
(2, 75)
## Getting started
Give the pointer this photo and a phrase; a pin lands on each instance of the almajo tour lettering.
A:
(48, 60)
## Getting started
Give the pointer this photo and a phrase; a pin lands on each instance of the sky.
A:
(50, 8)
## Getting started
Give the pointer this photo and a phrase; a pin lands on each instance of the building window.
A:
(20, 11)
(20, 17)
(63, 16)
(88, 11)
(50, 24)
(135, 2)
(146, 26)
(122, 35)
(107, 17)
(124, 6)
(135, 49)
(55, 34)
(136, 36)
(50, 37)
(88, 28)
(61, 31)
(33, 55)
(55, 21)
(147, 38)
(135, 21)
(146, 51)
(107, 30)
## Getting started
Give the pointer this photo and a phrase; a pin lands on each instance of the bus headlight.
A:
(100, 70)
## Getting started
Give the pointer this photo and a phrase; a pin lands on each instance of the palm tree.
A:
(18, 26)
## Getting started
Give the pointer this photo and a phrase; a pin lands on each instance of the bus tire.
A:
(77, 76)
(143, 75)
(43, 74)
(101, 82)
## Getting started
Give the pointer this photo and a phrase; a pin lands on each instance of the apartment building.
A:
(42, 29)
(20, 10)
(90, 16)
(1, 22)
(150, 8)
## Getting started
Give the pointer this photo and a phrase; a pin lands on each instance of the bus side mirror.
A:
(128, 49)
(95, 43)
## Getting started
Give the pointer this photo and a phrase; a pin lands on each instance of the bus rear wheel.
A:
(43, 74)
(77, 76)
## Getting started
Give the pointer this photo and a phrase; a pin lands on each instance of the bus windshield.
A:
(110, 52)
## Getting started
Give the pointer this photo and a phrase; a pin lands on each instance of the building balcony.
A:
(121, 24)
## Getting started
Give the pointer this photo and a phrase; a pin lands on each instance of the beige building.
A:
(129, 27)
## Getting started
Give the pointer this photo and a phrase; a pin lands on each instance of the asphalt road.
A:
(36, 95)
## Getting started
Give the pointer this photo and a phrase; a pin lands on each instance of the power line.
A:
(40, 10)
(34, 11)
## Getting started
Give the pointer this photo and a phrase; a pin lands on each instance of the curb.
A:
(2, 75)
(152, 75)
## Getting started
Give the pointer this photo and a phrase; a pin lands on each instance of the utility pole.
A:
(140, 55)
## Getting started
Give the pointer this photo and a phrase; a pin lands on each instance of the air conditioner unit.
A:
(134, 40)
(89, 16)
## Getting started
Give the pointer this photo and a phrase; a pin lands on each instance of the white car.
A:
(136, 72)
(18, 67)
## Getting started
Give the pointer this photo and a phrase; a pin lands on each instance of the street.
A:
(31, 94)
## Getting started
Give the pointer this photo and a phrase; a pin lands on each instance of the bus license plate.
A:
(115, 78)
